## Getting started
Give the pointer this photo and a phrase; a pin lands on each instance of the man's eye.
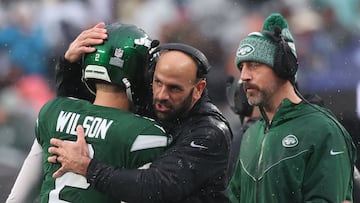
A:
(254, 64)
(175, 89)
(240, 67)
(157, 83)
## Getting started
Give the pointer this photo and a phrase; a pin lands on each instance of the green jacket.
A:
(303, 155)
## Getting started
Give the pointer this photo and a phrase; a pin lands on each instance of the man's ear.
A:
(199, 88)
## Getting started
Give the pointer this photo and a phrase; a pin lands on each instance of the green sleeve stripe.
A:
(148, 141)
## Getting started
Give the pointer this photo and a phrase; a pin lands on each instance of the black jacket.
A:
(193, 169)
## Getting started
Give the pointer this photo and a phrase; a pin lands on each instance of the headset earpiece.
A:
(285, 62)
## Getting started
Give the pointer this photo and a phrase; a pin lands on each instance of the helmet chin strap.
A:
(89, 88)
(86, 83)
(128, 88)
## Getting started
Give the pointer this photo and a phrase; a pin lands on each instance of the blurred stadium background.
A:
(34, 33)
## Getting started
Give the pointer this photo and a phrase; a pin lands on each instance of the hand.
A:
(73, 156)
(84, 42)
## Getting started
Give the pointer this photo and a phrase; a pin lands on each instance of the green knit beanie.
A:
(259, 47)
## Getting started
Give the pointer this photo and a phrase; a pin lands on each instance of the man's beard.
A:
(261, 98)
(255, 98)
(173, 114)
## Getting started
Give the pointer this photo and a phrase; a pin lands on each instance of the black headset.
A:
(200, 59)
(285, 62)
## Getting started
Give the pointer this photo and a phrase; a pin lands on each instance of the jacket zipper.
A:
(259, 162)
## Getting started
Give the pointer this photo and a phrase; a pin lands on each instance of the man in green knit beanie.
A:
(297, 151)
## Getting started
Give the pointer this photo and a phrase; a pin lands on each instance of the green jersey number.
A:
(69, 179)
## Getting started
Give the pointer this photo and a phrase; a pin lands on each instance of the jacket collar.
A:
(287, 111)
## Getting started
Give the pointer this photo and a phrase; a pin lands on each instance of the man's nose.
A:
(162, 93)
(244, 74)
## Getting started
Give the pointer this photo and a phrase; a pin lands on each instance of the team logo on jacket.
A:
(290, 141)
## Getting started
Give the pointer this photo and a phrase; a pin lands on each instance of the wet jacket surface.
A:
(194, 168)
(301, 156)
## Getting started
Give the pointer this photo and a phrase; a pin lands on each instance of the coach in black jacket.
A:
(194, 168)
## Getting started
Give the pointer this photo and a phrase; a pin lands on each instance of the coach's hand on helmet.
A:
(84, 42)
